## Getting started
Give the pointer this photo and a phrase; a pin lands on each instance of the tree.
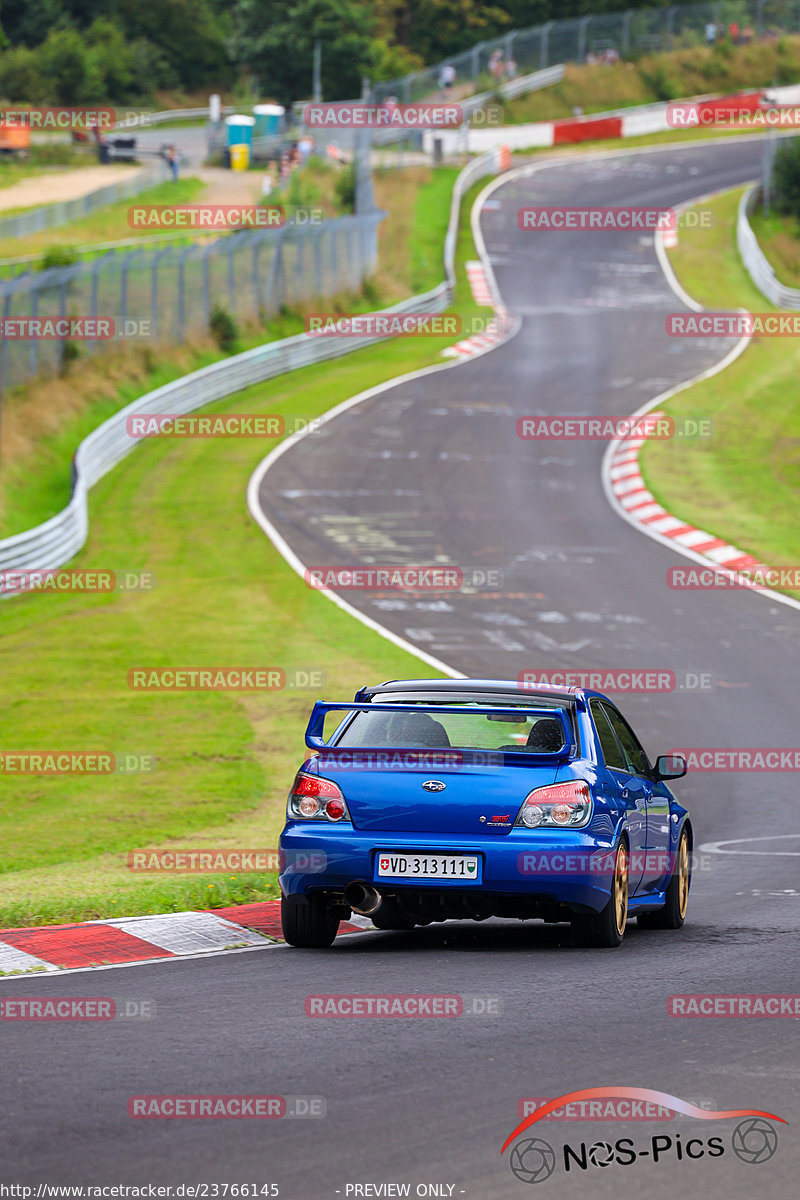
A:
(275, 41)
(20, 77)
(67, 70)
(189, 33)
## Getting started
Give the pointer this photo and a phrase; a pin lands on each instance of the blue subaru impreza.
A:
(433, 799)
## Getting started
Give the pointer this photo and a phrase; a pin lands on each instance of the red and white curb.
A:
(498, 327)
(630, 491)
(479, 284)
(53, 948)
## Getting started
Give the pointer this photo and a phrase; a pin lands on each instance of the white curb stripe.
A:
(188, 932)
(12, 959)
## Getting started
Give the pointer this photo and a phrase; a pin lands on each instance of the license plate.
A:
(428, 866)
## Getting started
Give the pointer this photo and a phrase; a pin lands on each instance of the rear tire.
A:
(606, 929)
(673, 914)
(308, 922)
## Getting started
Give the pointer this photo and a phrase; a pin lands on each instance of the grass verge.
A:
(741, 483)
(223, 597)
(45, 420)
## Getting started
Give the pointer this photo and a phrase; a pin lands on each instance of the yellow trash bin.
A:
(240, 157)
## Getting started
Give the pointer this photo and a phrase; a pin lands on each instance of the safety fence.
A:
(50, 216)
(168, 292)
(575, 39)
(53, 543)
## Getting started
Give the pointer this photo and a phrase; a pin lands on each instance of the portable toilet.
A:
(269, 118)
(240, 130)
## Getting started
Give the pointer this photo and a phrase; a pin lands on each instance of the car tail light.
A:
(316, 799)
(558, 806)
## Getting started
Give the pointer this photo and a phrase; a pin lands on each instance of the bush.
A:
(663, 85)
(345, 189)
(786, 177)
(224, 329)
(58, 256)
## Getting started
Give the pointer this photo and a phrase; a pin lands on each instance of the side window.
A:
(635, 754)
(608, 743)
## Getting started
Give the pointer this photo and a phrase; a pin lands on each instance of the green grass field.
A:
(743, 483)
(223, 596)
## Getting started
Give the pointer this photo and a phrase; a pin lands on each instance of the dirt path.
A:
(60, 185)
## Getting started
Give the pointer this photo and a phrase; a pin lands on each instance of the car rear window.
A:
(470, 730)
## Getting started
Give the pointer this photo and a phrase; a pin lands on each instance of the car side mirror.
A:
(670, 766)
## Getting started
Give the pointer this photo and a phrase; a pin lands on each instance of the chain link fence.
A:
(54, 542)
(629, 34)
(50, 216)
(168, 292)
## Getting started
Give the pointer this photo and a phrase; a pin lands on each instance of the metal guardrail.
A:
(758, 266)
(53, 543)
(145, 119)
(50, 216)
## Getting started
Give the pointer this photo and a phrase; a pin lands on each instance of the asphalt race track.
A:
(432, 470)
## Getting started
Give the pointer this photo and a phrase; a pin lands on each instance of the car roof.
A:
(495, 686)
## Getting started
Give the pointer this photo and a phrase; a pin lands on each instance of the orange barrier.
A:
(14, 137)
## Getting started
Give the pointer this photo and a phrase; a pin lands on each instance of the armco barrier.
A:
(759, 268)
(56, 541)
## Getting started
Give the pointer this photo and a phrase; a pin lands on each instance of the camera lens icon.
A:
(754, 1140)
(533, 1160)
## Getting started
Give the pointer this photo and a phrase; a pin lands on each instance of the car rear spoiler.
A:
(315, 731)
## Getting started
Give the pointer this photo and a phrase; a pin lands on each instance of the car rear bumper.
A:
(549, 868)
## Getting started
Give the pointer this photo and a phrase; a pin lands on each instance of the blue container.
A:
(240, 130)
(269, 119)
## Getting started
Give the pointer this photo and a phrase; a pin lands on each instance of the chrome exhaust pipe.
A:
(362, 899)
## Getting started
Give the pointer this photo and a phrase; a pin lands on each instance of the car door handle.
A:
(624, 793)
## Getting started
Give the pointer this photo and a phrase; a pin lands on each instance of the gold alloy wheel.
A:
(683, 875)
(621, 889)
